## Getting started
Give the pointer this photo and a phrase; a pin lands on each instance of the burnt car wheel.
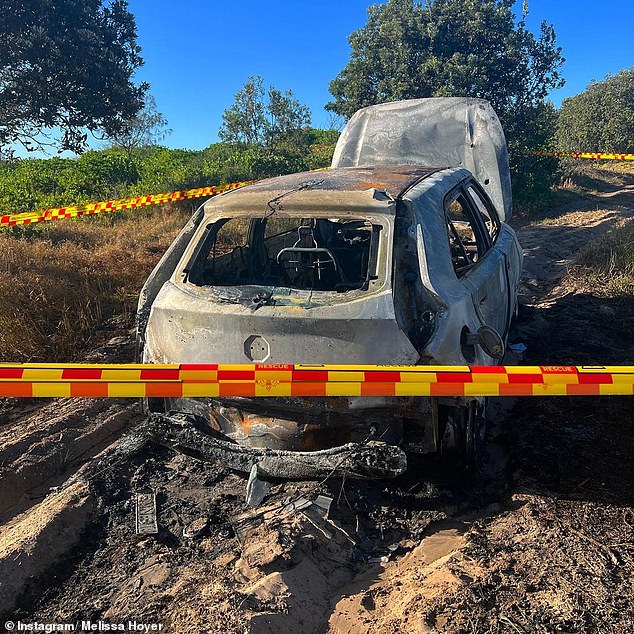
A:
(464, 435)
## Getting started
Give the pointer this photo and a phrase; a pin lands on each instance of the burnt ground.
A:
(542, 541)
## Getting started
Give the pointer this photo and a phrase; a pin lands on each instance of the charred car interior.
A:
(397, 255)
(327, 254)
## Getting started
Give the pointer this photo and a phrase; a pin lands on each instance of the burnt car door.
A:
(478, 254)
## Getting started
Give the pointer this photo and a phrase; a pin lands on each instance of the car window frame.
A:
(481, 233)
(192, 272)
(490, 207)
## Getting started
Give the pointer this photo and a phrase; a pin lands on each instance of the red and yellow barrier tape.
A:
(589, 155)
(106, 206)
(225, 380)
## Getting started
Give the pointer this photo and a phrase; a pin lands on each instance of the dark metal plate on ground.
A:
(146, 523)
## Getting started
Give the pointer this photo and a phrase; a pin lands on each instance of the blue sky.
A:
(199, 53)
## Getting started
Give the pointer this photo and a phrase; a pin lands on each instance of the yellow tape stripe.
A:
(617, 389)
(106, 206)
(125, 390)
(590, 155)
(50, 390)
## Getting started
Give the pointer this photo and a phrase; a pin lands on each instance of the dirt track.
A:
(543, 543)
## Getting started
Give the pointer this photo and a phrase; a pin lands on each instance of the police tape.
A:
(257, 380)
(107, 206)
(589, 155)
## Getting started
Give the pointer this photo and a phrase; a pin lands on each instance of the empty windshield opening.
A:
(324, 254)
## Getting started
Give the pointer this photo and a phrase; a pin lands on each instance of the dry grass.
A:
(622, 166)
(61, 281)
(593, 176)
(609, 262)
(205, 601)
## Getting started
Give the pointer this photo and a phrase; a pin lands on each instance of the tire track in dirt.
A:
(42, 444)
(44, 447)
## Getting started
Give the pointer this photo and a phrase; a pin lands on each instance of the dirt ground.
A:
(541, 541)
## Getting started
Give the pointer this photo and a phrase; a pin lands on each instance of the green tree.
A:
(148, 127)
(271, 118)
(473, 48)
(245, 121)
(67, 66)
(601, 118)
(288, 123)
(268, 132)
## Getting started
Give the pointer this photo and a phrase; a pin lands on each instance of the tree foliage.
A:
(271, 118)
(601, 118)
(473, 48)
(66, 65)
(146, 128)
(244, 121)
(32, 184)
(267, 132)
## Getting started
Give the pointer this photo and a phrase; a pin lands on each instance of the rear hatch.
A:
(282, 289)
(285, 289)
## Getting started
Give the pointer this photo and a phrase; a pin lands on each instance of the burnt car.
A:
(397, 255)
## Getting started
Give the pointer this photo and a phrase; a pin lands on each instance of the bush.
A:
(601, 118)
(34, 184)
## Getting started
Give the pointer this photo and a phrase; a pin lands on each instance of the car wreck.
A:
(399, 254)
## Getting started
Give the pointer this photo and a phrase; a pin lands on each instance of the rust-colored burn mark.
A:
(278, 433)
(394, 179)
(301, 433)
(368, 185)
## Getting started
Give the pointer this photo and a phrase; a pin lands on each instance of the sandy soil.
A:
(543, 541)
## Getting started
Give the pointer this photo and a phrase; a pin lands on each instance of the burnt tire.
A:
(463, 444)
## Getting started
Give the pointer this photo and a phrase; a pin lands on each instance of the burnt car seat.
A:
(307, 265)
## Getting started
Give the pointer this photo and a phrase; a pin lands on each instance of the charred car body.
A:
(381, 259)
